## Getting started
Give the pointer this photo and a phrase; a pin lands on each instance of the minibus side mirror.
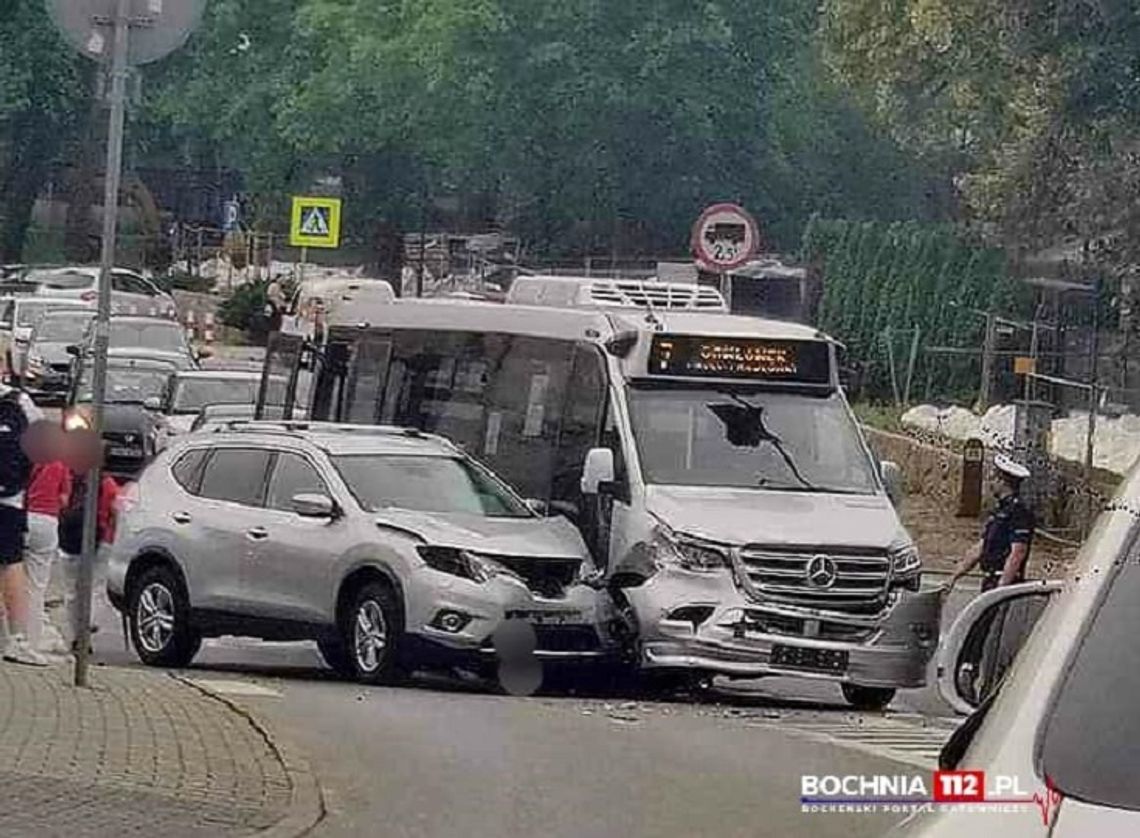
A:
(598, 471)
(892, 480)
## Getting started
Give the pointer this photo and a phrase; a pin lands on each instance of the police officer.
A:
(1003, 550)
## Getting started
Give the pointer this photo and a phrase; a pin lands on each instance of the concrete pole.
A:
(112, 182)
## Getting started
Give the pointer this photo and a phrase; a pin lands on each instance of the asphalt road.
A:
(445, 758)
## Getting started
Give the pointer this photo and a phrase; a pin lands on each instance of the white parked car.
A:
(1053, 696)
(131, 293)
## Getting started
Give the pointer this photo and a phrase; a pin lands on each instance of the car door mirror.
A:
(598, 471)
(153, 403)
(312, 505)
(73, 350)
(538, 507)
(985, 639)
(893, 481)
(204, 352)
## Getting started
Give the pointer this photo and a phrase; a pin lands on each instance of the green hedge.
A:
(908, 275)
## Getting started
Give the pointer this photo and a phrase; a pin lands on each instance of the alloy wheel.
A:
(370, 636)
(155, 617)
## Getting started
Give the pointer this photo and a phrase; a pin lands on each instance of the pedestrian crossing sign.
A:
(316, 222)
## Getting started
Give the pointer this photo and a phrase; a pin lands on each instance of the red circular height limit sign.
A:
(725, 237)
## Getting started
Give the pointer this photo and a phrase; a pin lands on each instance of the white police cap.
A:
(1010, 466)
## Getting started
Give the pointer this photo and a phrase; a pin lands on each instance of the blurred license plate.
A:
(124, 451)
(546, 618)
(809, 660)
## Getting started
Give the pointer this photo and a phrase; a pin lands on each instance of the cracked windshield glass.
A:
(499, 418)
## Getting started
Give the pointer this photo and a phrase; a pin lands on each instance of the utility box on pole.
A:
(1032, 424)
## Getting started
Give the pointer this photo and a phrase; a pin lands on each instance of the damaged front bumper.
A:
(455, 619)
(703, 622)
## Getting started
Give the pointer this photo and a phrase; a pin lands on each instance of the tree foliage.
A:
(42, 91)
(1031, 104)
(883, 281)
(589, 124)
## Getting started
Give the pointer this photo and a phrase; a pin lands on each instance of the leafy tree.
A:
(42, 86)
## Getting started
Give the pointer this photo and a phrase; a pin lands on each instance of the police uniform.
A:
(1011, 522)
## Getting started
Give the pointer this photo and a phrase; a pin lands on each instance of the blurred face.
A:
(83, 450)
(43, 442)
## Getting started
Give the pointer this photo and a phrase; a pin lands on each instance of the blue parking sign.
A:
(231, 215)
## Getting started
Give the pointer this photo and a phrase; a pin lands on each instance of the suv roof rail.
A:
(295, 426)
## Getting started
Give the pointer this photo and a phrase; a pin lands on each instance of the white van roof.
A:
(594, 324)
(604, 292)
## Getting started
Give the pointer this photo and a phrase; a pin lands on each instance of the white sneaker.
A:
(53, 642)
(20, 652)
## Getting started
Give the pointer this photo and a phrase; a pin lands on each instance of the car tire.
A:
(372, 632)
(158, 618)
(335, 654)
(868, 698)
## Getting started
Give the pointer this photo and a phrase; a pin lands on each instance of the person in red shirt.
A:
(44, 499)
(83, 451)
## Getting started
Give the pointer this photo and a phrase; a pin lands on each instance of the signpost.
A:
(724, 238)
(118, 33)
(315, 223)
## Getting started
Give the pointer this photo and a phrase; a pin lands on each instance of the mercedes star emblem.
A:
(821, 572)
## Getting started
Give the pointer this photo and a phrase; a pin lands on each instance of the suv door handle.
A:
(181, 517)
(257, 534)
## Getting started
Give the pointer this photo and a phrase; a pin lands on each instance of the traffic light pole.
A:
(112, 182)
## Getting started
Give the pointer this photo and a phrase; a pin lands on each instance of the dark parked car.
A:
(48, 366)
(130, 420)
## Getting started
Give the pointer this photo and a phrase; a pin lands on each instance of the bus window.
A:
(368, 372)
(329, 383)
(282, 363)
(524, 412)
(438, 383)
(581, 430)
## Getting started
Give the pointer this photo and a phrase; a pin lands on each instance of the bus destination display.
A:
(687, 356)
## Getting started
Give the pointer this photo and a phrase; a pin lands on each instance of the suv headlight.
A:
(463, 563)
(689, 553)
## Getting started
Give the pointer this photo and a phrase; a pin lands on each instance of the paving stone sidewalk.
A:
(141, 752)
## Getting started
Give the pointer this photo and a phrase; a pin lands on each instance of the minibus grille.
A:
(837, 578)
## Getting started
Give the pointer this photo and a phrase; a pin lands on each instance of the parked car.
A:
(18, 317)
(131, 293)
(48, 366)
(189, 391)
(153, 336)
(1052, 698)
(389, 547)
(130, 417)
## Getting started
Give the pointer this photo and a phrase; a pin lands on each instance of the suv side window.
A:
(236, 475)
(293, 475)
(7, 314)
(187, 471)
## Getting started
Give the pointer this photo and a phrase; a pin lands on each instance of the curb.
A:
(307, 807)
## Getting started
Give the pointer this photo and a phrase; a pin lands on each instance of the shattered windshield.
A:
(759, 440)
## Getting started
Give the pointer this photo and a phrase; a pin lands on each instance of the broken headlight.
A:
(463, 563)
(692, 554)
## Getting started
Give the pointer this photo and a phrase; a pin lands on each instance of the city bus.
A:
(711, 462)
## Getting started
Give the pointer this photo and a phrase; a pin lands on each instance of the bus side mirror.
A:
(598, 471)
(892, 480)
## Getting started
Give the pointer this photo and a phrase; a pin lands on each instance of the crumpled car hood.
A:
(538, 537)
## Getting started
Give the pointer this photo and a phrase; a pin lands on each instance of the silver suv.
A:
(389, 547)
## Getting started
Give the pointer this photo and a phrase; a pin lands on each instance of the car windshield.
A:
(30, 313)
(127, 385)
(160, 335)
(749, 439)
(62, 280)
(427, 484)
(192, 394)
(63, 328)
